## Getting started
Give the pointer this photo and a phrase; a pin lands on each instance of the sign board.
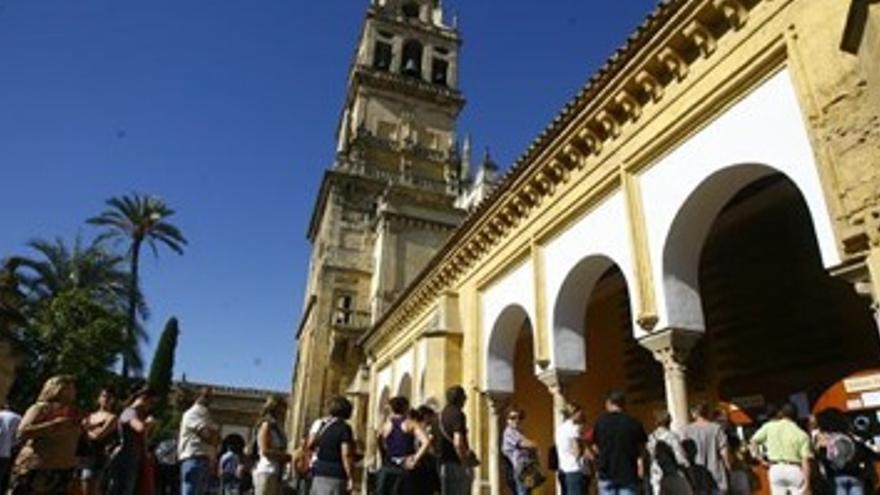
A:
(862, 383)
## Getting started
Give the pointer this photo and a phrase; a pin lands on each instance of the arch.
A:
(411, 62)
(405, 387)
(569, 312)
(687, 236)
(411, 10)
(382, 406)
(502, 346)
(761, 134)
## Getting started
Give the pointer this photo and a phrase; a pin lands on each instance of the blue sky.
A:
(227, 109)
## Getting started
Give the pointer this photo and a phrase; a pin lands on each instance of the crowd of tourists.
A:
(426, 453)
(53, 449)
(706, 457)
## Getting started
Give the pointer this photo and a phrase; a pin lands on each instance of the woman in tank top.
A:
(272, 445)
(398, 439)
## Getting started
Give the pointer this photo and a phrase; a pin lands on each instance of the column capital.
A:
(555, 379)
(671, 346)
(498, 401)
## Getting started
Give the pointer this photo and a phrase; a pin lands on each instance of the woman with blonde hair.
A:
(50, 429)
(272, 448)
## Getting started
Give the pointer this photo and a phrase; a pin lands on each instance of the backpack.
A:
(840, 450)
(530, 475)
(665, 458)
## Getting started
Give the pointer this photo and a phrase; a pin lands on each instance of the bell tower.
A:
(390, 199)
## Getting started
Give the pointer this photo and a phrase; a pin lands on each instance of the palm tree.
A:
(11, 297)
(89, 268)
(139, 219)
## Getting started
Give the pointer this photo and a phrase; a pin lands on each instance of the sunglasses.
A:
(513, 417)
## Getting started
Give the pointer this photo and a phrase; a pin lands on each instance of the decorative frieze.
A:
(591, 139)
(674, 62)
(701, 36)
(650, 85)
(734, 11)
(630, 104)
(573, 156)
(609, 123)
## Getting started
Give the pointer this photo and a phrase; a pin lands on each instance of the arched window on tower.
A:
(411, 10)
(382, 55)
(411, 65)
(440, 72)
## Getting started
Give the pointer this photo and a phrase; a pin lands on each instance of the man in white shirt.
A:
(9, 421)
(571, 452)
(197, 445)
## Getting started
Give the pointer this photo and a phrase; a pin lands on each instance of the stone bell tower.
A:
(388, 202)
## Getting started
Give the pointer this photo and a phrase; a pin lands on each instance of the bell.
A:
(410, 67)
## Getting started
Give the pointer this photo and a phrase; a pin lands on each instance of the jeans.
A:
(522, 490)
(267, 484)
(607, 487)
(5, 473)
(575, 483)
(848, 485)
(455, 479)
(194, 474)
(328, 486)
(123, 473)
(393, 480)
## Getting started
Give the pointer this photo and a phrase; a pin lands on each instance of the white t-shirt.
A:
(8, 429)
(190, 444)
(316, 427)
(567, 438)
(278, 441)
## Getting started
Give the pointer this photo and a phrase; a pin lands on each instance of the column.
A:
(671, 347)
(498, 403)
(555, 381)
(372, 412)
(872, 261)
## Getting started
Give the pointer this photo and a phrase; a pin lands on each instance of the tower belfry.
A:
(389, 200)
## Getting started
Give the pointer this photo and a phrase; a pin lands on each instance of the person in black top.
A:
(426, 478)
(403, 443)
(334, 467)
(456, 459)
(619, 441)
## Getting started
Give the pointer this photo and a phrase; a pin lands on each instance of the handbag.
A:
(530, 476)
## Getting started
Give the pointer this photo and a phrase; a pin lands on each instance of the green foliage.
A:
(162, 368)
(161, 380)
(11, 300)
(71, 334)
(91, 269)
(138, 219)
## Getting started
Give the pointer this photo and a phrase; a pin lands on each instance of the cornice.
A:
(447, 34)
(678, 34)
(416, 88)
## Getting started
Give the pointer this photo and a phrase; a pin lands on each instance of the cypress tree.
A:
(162, 368)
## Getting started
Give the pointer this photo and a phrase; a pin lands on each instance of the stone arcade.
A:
(702, 222)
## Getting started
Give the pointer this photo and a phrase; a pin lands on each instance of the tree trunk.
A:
(131, 333)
